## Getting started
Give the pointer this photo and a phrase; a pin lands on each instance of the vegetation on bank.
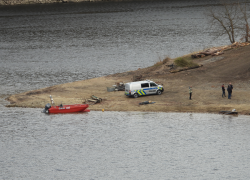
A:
(185, 62)
(161, 62)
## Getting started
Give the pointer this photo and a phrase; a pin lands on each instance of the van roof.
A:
(145, 81)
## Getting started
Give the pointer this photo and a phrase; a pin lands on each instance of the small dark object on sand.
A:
(228, 112)
(146, 102)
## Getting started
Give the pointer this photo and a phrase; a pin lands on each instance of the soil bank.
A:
(233, 66)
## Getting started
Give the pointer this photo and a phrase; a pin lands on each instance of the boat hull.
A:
(69, 108)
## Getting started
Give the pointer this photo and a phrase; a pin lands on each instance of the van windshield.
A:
(144, 85)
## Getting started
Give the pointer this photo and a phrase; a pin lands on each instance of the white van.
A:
(141, 88)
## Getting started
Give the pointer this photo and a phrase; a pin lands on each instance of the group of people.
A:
(229, 90)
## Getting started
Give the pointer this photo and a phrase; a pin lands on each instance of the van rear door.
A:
(127, 89)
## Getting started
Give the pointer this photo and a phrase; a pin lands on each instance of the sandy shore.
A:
(233, 66)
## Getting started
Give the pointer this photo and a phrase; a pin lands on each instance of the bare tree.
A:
(243, 8)
(225, 19)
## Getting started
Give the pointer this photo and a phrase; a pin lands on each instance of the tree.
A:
(231, 20)
(226, 20)
(243, 8)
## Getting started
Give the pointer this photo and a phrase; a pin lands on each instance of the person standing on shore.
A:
(229, 90)
(223, 90)
(190, 92)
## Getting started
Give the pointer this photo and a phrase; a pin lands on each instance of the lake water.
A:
(44, 45)
(123, 145)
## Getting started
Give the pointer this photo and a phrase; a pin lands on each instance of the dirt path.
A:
(233, 66)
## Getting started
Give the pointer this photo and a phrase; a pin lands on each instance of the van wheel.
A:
(135, 95)
(158, 92)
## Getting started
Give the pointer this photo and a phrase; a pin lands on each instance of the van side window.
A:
(144, 85)
(152, 84)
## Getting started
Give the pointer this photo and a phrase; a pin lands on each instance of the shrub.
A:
(164, 61)
(180, 61)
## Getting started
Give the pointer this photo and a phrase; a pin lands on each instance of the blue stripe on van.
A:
(150, 88)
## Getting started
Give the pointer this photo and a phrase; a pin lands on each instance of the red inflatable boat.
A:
(66, 108)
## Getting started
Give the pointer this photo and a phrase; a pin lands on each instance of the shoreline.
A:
(205, 80)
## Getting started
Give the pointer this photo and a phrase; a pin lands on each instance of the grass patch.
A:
(184, 62)
(161, 62)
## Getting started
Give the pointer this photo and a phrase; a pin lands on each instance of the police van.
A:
(141, 88)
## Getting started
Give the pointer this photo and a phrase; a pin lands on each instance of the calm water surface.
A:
(44, 45)
(123, 145)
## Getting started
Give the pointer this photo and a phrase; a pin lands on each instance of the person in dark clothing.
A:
(190, 92)
(229, 90)
(223, 90)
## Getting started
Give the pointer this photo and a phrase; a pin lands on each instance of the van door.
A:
(153, 88)
(144, 88)
(127, 89)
